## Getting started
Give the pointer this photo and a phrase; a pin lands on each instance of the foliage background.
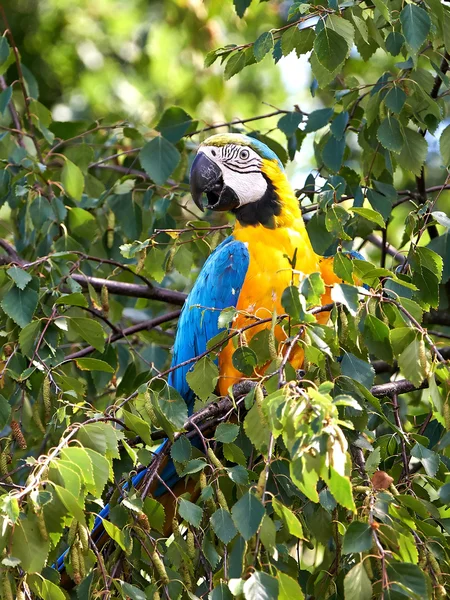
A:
(100, 242)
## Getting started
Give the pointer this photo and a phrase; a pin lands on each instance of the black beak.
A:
(206, 178)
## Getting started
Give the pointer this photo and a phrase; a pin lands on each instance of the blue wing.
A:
(217, 287)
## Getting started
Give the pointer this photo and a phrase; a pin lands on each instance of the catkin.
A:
(72, 532)
(46, 399)
(110, 230)
(18, 435)
(41, 522)
(213, 458)
(37, 417)
(221, 499)
(143, 522)
(83, 534)
(156, 595)
(261, 484)
(272, 345)
(159, 567)
(75, 561)
(202, 480)
(4, 467)
(105, 300)
(7, 588)
(185, 575)
(149, 408)
(190, 542)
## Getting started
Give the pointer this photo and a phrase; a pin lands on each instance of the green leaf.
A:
(268, 534)
(117, 535)
(409, 577)
(394, 43)
(357, 538)
(220, 592)
(291, 522)
(289, 123)
(428, 458)
(159, 159)
(190, 512)
(312, 288)
(72, 180)
(370, 215)
(376, 338)
(139, 426)
(5, 411)
(444, 145)
(347, 295)
(263, 45)
(226, 432)
(261, 586)
(76, 299)
(223, 525)
(20, 277)
(5, 98)
(389, 135)
(45, 589)
(395, 99)
(202, 379)
(132, 592)
(331, 49)
(233, 453)
(20, 304)
(172, 406)
(181, 450)
(257, 428)
(343, 267)
(244, 360)
(28, 545)
(357, 584)
(155, 513)
(101, 467)
(241, 6)
(82, 224)
(414, 151)
(416, 26)
(93, 364)
(357, 369)
(288, 588)
(300, 40)
(235, 63)
(318, 119)
(91, 331)
(341, 488)
(411, 362)
(28, 338)
(247, 515)
(175, 123)
(333, 153)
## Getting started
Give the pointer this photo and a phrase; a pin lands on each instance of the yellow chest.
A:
(272, 253)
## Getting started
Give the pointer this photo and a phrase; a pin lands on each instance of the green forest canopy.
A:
(335, 489)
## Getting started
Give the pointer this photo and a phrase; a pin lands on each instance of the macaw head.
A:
(240, 174)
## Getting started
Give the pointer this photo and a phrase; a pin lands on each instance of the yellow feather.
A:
(270, 272)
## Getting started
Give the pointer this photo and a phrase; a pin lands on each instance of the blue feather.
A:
(217, 287)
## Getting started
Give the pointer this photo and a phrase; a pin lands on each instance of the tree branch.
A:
(395, 388)
(143, 326)
(132, 290)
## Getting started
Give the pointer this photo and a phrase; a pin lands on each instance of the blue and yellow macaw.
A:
(253, 266)
(249, 270)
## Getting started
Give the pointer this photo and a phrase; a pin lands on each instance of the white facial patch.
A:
(241, 170)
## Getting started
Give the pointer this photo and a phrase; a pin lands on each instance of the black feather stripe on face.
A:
(261, 212)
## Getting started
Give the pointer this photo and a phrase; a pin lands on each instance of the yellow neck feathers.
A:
(290, 215)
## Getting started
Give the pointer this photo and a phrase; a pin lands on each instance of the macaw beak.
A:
(206, 178)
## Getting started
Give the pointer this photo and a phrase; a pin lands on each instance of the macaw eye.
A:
(213, 152)
(244, 154)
